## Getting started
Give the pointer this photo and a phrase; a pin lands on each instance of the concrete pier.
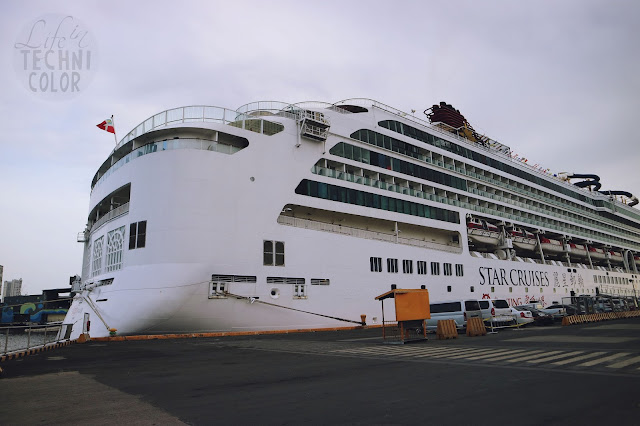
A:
(584, 374)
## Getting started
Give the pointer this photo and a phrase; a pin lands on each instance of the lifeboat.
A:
(597, 254)
(577, 250)
(615, 257)
(482, 233)
(551, 246)
(523, 239)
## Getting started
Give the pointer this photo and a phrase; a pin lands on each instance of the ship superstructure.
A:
(288, 216)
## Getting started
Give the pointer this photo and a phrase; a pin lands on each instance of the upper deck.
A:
(267, 117)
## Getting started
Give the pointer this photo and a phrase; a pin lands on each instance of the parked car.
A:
(569, 309)
(522, 317)
(458, 310)
(496, 311)
(539, 317)
(555, 313)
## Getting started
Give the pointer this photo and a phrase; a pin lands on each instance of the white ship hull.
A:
(208, 212)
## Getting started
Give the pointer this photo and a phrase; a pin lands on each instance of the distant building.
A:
(1, 271)
(12, 288)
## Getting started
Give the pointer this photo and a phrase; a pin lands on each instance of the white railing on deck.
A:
(118, 211)
(184, 115)
(362, 233)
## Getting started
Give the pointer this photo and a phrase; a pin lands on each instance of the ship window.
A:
(510, 289)
(115, 243)
(375, 263)
(447, 269)
(459, 270)
(320, 281)
(407, 266)
(448, 289)
(273, 253)
(493, 289)
(472, 289)
(435, 268)
(392, 265)
(137, 235)
(96, 265)
(422, 267)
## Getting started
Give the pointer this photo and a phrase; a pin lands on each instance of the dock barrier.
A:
(447, 329)
(476, 327)
(588, 318)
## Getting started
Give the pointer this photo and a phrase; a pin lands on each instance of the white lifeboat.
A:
(551, 246)
(615, 257)
(577, 250)
(480, 232)
(523, 239)
(597, 254)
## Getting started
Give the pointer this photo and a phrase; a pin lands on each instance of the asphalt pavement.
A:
(585, 374)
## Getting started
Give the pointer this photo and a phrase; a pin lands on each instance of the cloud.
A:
(556, 81)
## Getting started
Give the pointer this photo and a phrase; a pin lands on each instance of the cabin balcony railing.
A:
(363, 233)
(584, 232)
(118, 211)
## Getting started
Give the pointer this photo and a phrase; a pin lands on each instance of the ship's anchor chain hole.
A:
(275, 293)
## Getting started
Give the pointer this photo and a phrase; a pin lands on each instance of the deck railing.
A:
(118, 211)
(363, 233)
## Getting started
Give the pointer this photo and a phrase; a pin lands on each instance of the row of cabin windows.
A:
(376, 201)
(605, 279)
(467, 153)
(113, 252)
(375, 265)
(375, 138)
(390, 163)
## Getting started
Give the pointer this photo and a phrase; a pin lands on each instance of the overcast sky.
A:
(557, 81)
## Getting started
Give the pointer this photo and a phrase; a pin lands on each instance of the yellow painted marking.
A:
(495, 353)
(551, 358)
(527, 356)
(625, 362)
(605, 359)
(580, 358)
(475, 353)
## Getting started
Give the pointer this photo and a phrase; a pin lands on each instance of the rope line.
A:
(254, 300)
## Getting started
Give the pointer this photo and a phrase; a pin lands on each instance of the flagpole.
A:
(114, 130)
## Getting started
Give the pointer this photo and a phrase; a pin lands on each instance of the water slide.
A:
(633, 200)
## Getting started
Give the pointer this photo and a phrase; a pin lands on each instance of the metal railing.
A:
(24, 337)
(523, 165)
(118, 211)
(187, 114)
(362, 233)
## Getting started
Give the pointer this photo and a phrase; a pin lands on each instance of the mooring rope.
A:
(254, 300)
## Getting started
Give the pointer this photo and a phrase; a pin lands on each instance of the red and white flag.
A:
(107, 125)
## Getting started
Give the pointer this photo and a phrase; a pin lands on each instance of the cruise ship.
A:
(279, 216)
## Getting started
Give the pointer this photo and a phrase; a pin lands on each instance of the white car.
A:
(556, 313)
(522, 317)
(496, 311)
